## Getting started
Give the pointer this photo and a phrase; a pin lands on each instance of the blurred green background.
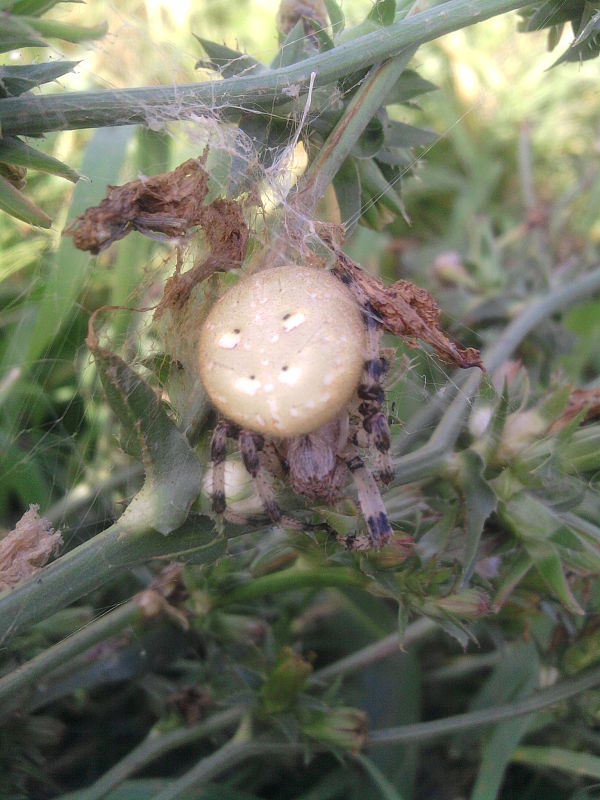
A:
(500, 206)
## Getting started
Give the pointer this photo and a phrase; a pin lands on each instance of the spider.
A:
(290, 357)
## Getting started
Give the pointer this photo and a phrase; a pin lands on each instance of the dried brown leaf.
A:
(26, 548)
(165, 205)
(404, 310)
(587, 400)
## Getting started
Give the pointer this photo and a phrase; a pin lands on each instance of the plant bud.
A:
(468, 604)
(398, 549)
(341, 727)
(287, 679)
(449, 269)
(520, 430)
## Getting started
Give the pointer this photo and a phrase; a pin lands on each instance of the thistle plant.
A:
(175, 657)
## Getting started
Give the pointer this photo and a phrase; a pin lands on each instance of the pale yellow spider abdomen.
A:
(282, 352)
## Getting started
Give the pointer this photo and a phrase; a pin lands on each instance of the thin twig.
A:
(35, 114)
(425, 731)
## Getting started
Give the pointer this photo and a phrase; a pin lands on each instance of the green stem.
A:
(377, 651)
(346, 133)
(226, 757)
(91, 565)
(423, 462)
(28, 115)
(288, 580)
(425, 731)
(155, 746)
(61, 653)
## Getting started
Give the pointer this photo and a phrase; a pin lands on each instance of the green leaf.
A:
(17, 205)
(409, 85)
(14, 151)
(373, 182)
(433, 543)
(547, 562)
(346, 185)
(497, 754)
(293, 48)
(336, 16)
(36, 8)
(514, 678)
(20, 255)
(173, 473)
(480, 502)
(552, 13)
(19, 79)
(14, 34)
(321, 35)
(370, 141)
(65, 31)
(397, 134)
(226, 61)
(344, 524)
(21, 474)
(559, 758)
(517, 570)
(383, 12)
(583, 653)
(384, 788)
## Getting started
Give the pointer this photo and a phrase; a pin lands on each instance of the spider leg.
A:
(250, 445)
(379, 530)
(218, 454)
(371, 393)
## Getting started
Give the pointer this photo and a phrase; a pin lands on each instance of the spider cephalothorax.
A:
(291, 360)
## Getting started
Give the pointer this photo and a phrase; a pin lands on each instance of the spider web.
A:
(57, 431)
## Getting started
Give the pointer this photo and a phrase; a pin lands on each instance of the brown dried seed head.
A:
(282, 351)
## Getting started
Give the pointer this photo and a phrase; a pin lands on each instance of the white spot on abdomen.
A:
(248, 386)
(292, 322)
(291, 376)
(229, 340)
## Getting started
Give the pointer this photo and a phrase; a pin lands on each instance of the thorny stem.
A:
(346, 133)
(368, 98)
(100, 559)
(31, 114)
(424, 461)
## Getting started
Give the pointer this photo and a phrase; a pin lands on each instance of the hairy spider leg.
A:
(379, 530)
(250, 445)
(371, 393)
(218, 454)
